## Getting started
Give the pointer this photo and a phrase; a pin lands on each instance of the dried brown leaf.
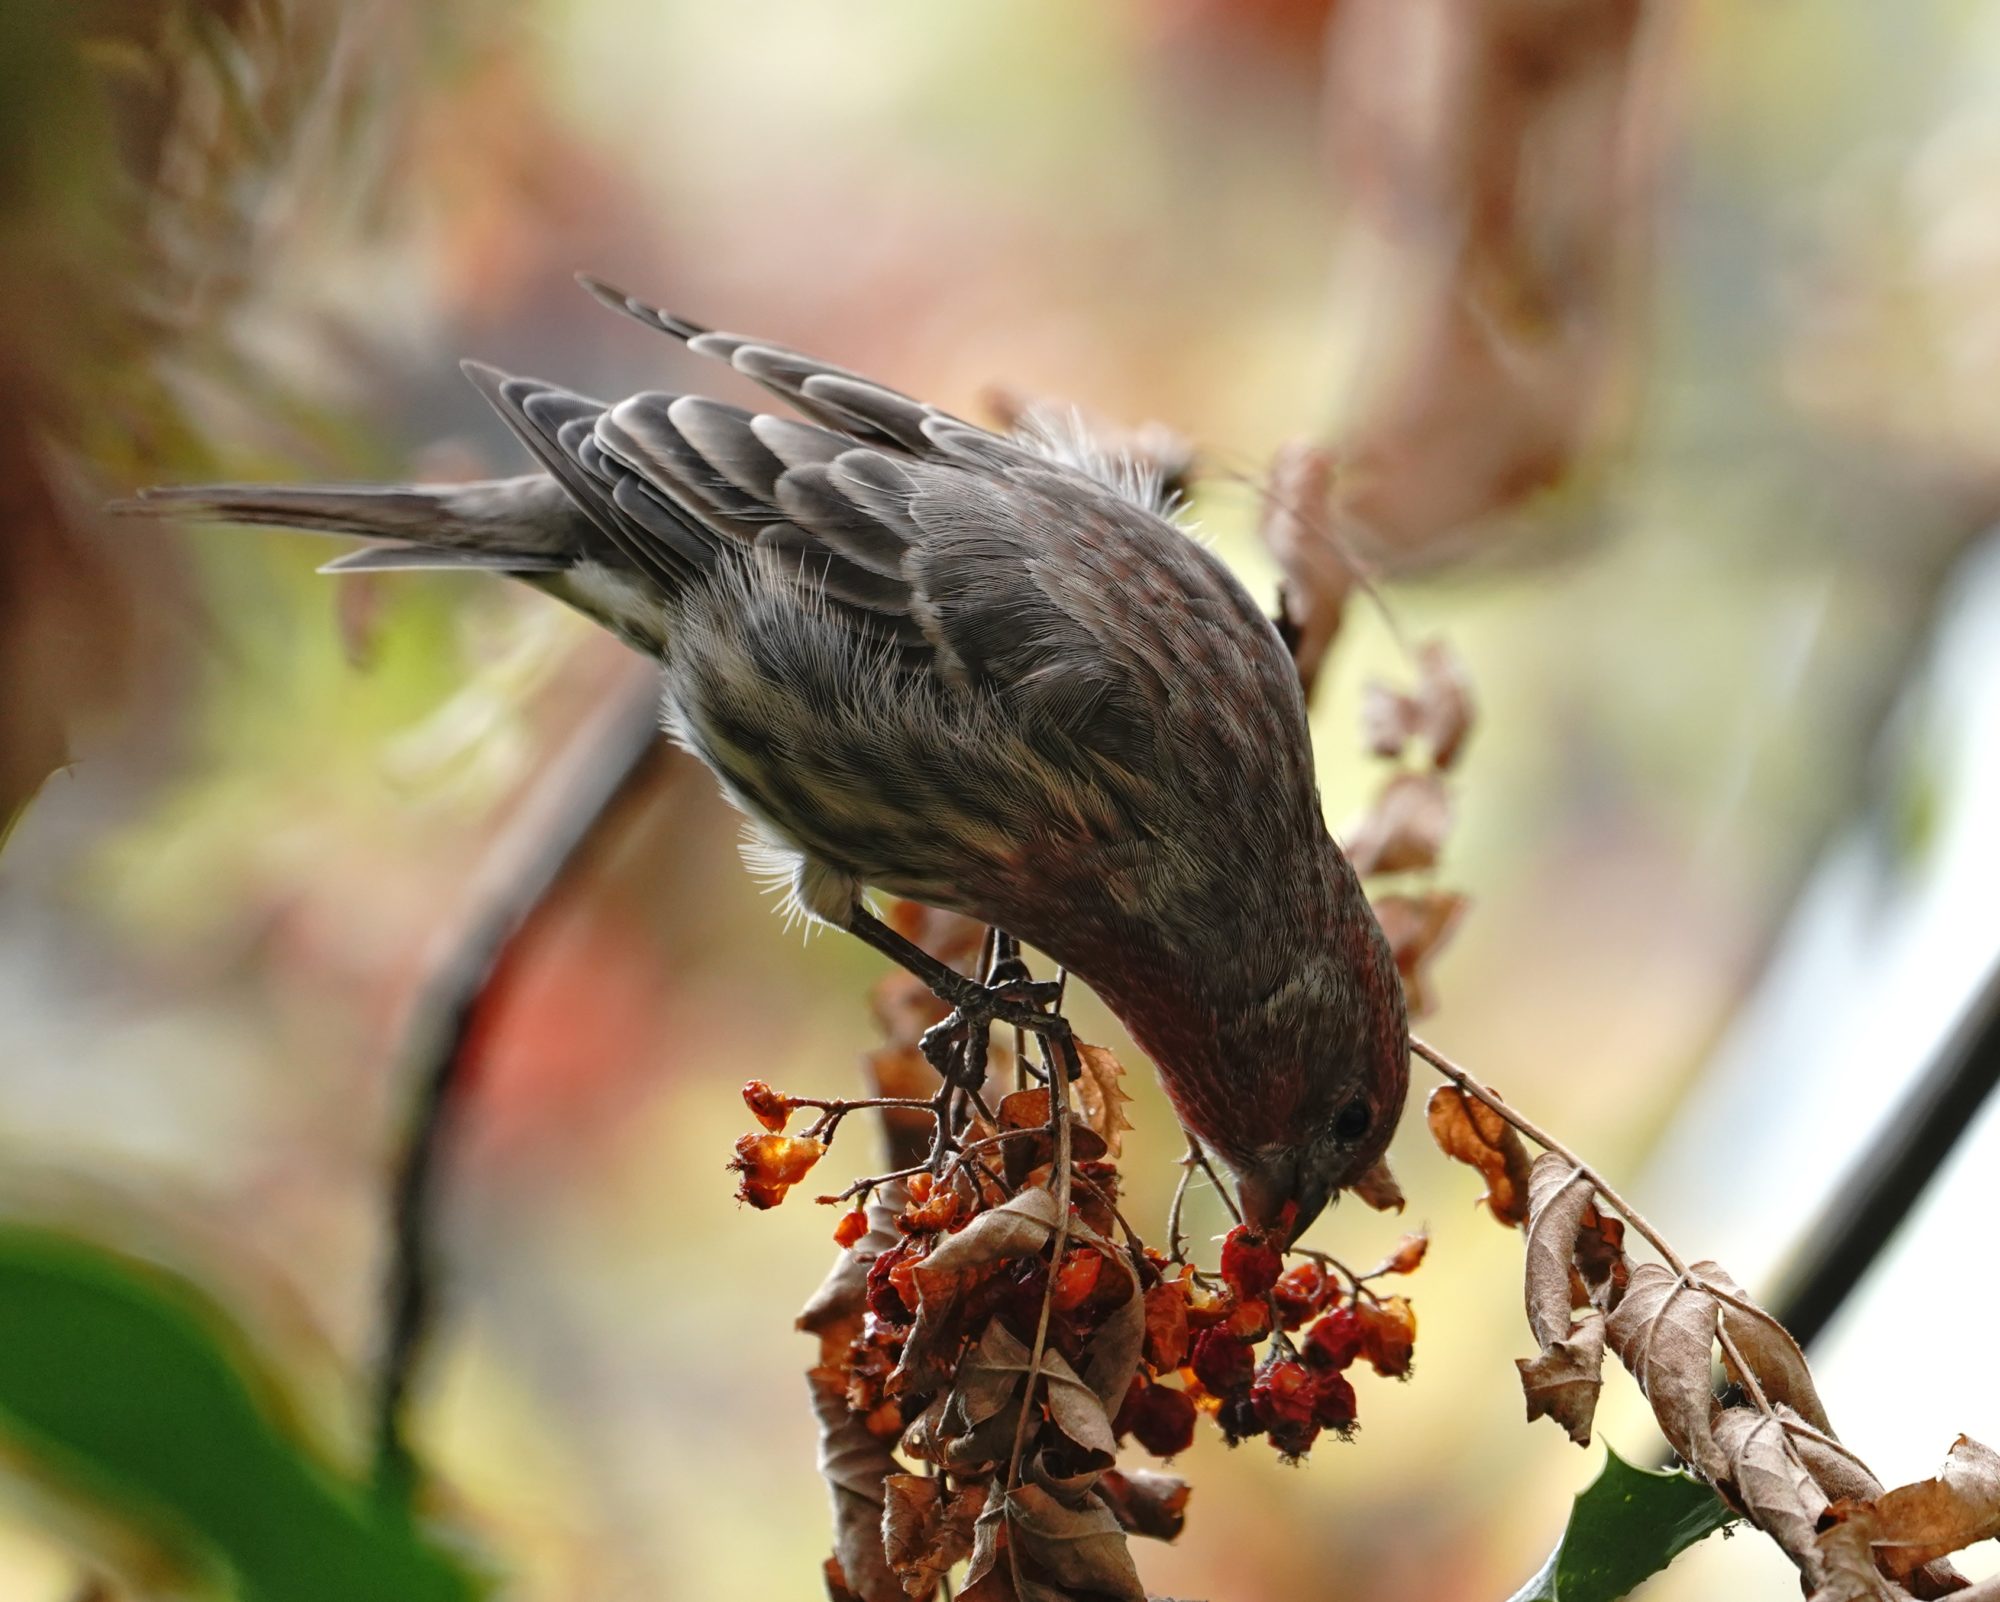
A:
(1111, 1357)
(1388, 719)
(1601, 1262)
(1019, 1227)
(1377, 1188)
(1445, 711)
(1405, 829)
(924, 1531)
(1913, 1524)
(1844, 1569)
(1146, 1502)
(1559, 1194)
(1564, 1380)
(1766, 1478)
(1103, 1096)
(1073, 1551)
(1766, 1346)
(1663, 1332)
(1473, 1133)
(1318, 574)
(1417, 929)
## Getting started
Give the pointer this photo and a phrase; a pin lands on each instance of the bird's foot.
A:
(1017, 1001)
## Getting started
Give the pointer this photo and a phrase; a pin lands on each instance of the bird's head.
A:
(1299, 1087)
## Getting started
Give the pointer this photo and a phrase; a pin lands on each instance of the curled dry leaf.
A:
(1417, 929)
(1066, 1550)
(1564, 1379)
(1318, 574)
(1563, 1382)
(1914, 1524)
(1146, 1502)
(853, 1461)
(1019, 1227)
(1663, 1332)
(1444, 701)
(1765, 1345)
(1473, 1133)
(1405, 829)
(1844, 1569)
(1440, 713)
(925, 1531)
(1103, 1096)
(1378, 1189)
(1766, 1478)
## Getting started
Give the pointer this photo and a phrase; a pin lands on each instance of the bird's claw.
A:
(1019, 1002)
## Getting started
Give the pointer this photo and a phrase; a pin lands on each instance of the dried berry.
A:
(1159, 1417)
(1408, 1256)
(1333, 1402)
(1167, 1324)
(885, 1300)
(1283, 1394)
(1250, 1263)
(1335, 1341)
(851, 1228)
(1301, 1291)
(1223, 1363)
(1238, 1419)
(937, 1209)
(769, 1165)
(1075, 1280)
(1388, 1334)
(1251, 1321)
(769, 1107)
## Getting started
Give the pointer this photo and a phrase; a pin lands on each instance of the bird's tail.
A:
(508, 525)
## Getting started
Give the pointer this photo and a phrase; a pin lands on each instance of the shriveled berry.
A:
(1250, 1321)
(769, 1107)
(1159, 1417)
(1335, 1341)
(852, 1227)
(1223, 1363)
(1408, 1256)
(885, 1300)
(1388, 1335)
(1333, 1401)
(769, 1165)
(1075, 1280)
(1283, 1392)
(1301, 1291)
(1250, 1263)
(1238, 1419)
(1167, 1324)
(938, 1209)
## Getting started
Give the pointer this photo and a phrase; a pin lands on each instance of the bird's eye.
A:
(1354, 1120)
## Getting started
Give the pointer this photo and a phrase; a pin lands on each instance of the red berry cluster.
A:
(1207, 1344)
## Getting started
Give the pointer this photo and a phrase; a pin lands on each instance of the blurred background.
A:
(1659, 347)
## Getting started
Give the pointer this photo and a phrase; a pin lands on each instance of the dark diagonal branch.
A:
(1871, 1202)
(539, 849)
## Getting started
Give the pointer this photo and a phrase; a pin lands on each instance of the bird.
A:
(991, 673)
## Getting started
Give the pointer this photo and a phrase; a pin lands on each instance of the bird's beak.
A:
(1277, 1197)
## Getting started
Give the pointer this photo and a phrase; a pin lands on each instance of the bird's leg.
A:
(1016, 1000)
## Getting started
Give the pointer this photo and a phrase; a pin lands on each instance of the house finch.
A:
(989, 674)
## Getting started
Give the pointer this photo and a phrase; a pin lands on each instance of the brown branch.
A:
(1618, 1204)
(536, 854)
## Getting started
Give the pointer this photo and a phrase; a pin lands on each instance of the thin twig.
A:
(1054, 1044)
(1548, 1142)
(534, 856)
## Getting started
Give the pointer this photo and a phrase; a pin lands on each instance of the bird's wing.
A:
(845, 402)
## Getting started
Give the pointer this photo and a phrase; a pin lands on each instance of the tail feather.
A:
(525, 524)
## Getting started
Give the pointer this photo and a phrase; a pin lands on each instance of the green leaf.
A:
(126, 1389)
(1629, 1524)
